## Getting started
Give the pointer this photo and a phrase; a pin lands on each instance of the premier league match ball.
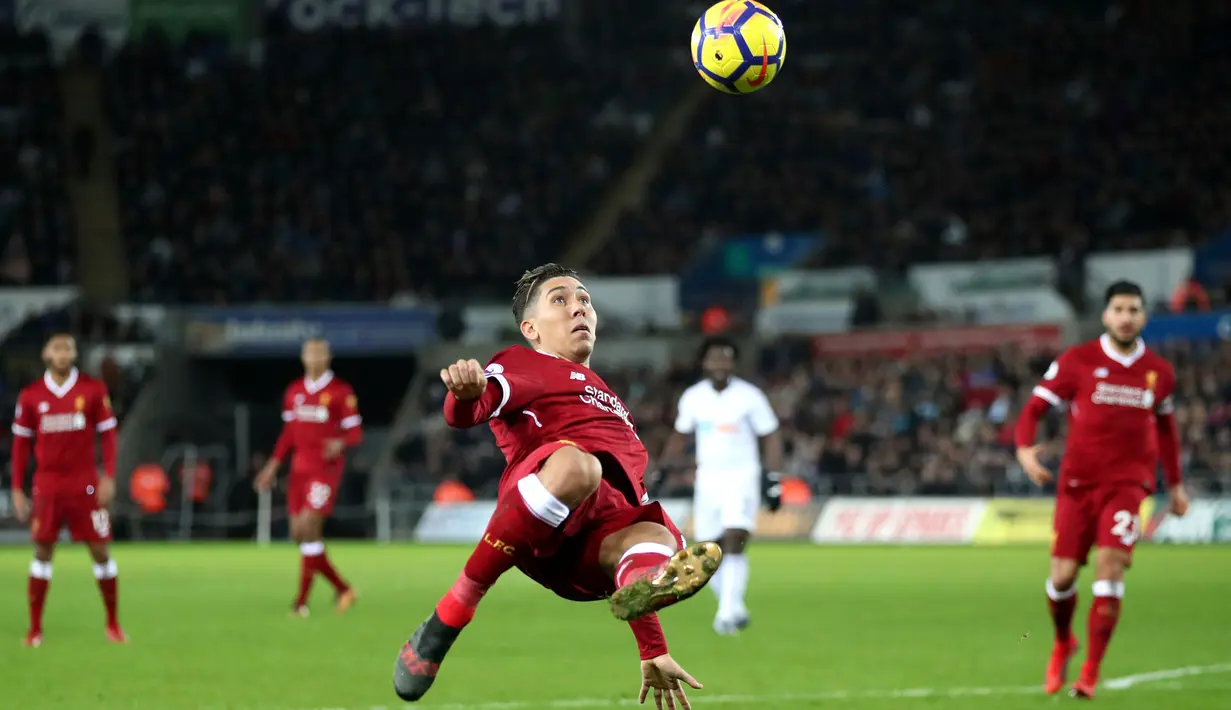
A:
(738, 46)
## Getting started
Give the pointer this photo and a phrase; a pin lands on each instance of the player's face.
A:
(719, 363)
(1124, 318)
(315, 356)
(563, 321)
(60, 354)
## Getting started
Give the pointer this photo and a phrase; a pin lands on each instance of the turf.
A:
(867, 628)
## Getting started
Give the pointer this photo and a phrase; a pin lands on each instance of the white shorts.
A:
(725, 500)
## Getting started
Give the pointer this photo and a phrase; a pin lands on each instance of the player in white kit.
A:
(732, 420)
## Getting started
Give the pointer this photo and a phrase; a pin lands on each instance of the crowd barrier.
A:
(894, 521)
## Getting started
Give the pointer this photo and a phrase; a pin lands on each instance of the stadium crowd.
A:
(358, 165)
(36, 226)
(911, 132)
(940, 425)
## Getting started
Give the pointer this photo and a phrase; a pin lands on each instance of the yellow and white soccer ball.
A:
(738, 46)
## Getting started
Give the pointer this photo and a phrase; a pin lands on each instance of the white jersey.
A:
(728, 424)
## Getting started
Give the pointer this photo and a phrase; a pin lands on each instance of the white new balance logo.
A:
(577, 376)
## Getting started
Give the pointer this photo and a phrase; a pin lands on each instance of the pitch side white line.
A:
(1111, 684)
(1129, 681)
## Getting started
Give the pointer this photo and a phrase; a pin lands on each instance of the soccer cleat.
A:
(1085, 685)
(116, 635)
(34, 639)
(419, 660)
(685, 574)
(299, 612)
(346, 599)
(1058, 666)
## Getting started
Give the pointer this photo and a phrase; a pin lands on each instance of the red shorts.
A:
(1097, 516)
(311, 492)
(570, 566)
(79, 511)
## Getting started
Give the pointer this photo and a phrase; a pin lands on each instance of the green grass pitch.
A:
(877, 628)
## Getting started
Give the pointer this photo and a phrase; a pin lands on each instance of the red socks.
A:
(639, 561)
(108, 586)
(525, 519)
(36, 592)
(313, 560)
(1104, 614)
(1062, 605)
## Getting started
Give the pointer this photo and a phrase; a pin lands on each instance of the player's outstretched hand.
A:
(1028, 457)
(1179, 500)
(465, 379)
(21, 505)
(664, 676)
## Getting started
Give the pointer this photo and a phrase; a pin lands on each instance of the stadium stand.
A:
(869, 426)
(945, 132)
(357, 165)
(36, 228)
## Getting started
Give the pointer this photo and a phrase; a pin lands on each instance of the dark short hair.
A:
(529, 283)
(718, 341)
(1122, 288)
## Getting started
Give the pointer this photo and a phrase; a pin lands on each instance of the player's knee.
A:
(1110, 564)
(1063, 574)
(571, 475)
(733, 542)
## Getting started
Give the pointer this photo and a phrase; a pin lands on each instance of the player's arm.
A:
(286, 442)
(23, 444)
(1059, 385)
(1169, 452)
(769, 436)
(477, 394)
(685, 426)
(346, 410)
(107, 428)
(660, 673)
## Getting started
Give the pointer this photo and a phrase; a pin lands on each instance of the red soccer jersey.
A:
(1114, 404)
(314, 412)
(543, 399)
(64, 422)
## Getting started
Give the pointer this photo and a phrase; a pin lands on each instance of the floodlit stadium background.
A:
(901, 231)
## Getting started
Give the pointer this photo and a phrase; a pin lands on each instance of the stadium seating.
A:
(356, 165)
(921, 132)
(934, 426)
(36, 227)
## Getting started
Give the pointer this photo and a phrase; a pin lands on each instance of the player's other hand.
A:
(663, 676)
(106, 491)
(265, 479)
(465, 379)
(21, 505)
(1179, 500)
(334, 448)
(1028, 457)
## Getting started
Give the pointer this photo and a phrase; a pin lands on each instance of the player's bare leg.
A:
(1061, 601)
(732, 584)
(650, 573)
(107, 574)
(1108, 589)
(307, 528)
(525, 517)
(36, 590)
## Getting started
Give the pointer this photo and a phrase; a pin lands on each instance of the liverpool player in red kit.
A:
(572, 512)
(1120, 426)
(60, 416)
(320, 415)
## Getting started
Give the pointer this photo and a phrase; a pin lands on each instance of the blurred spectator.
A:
(876, 426)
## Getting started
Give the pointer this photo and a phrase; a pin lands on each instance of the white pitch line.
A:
(1129, 681)
(1111, 684)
